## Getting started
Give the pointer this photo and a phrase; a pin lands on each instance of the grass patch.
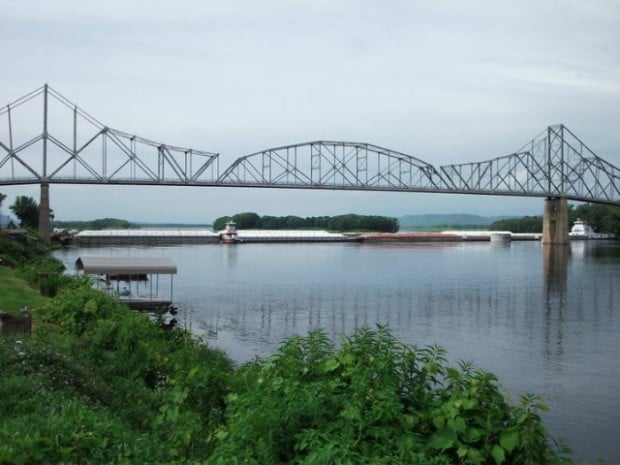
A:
(16, 292)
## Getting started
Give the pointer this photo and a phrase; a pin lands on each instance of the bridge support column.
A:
(44, 212)
(555, 221)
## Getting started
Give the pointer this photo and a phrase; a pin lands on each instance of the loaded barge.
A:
(448, 236)
(231, 235)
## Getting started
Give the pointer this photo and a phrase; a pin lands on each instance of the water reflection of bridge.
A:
(45, 139)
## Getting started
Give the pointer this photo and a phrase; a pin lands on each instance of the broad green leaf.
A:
(472, 435)
(509, 440)
(347, 358)
(498, 455)
(474, 456)
(521, 418)
(469, 404)
(410, 420)
(331, 364)
(442, 442)
(457, 424)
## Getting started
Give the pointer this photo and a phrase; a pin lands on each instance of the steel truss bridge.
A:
(46, 139)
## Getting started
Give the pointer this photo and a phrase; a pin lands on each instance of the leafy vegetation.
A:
(526, 224)
(374, 400)
(448, 220)
(98, 224)
(15, 292)
(602, 218)
(26, 209)
(32, 264)
(95, 383)
(349, 222)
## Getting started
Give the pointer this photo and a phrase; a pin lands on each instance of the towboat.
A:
(229, 235)
(582, 230)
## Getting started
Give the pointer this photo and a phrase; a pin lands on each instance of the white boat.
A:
(582, 230)
(229, 234)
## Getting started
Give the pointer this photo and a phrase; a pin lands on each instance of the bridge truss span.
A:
(44, 138)
(556, 163)
(334, 165)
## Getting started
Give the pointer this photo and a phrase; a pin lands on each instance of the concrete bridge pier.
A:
(44, 212)
(555, 221)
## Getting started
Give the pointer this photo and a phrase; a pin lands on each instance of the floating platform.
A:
(145, 303)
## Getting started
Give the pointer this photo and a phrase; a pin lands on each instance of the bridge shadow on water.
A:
(555, 275)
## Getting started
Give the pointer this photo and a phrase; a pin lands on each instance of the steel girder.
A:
(73, 147)
(553, 164)
(333, 165)
(67, 145)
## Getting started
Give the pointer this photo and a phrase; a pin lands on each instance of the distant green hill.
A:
(450, 219)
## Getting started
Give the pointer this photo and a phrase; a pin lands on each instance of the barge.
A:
(146, 237)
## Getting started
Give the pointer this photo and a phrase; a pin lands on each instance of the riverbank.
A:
(96, 383)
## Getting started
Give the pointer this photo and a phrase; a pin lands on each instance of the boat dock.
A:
(140, 278)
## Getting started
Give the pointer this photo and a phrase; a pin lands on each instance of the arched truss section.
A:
(556, 163)
(46, 138)
(333, 165)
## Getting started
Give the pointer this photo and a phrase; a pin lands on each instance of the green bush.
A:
(78, 307)
(97, 383)
(374, 401)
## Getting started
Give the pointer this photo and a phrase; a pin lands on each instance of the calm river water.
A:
(544, 322)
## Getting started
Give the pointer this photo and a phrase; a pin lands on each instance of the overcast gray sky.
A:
(445, 81)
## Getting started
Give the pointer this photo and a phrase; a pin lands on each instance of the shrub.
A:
(374, 401)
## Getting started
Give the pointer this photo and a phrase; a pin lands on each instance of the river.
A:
(543, 320)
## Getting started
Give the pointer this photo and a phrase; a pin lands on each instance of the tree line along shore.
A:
(602, 218)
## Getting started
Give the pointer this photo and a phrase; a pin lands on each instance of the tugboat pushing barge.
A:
(229, 235)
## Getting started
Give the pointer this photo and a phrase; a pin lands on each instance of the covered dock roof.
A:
(125, 265)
